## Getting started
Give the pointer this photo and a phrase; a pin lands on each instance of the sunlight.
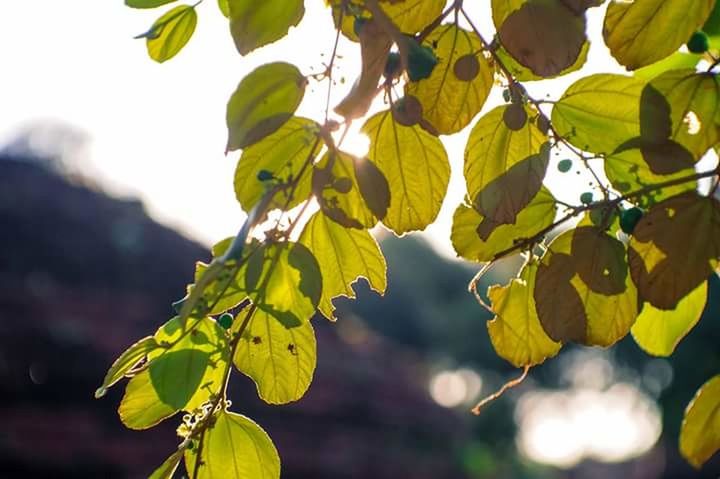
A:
(453, 388)
(589, 420)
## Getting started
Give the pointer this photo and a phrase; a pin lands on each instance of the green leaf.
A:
(254, 24)
(676, 61)
(583, 292)
(504, 168)
(224, 7)
(468, 243)
(599, 112)
(545, 36)
(282, 154)
(127, 362)
(693, 101)
(284, 280)
(659, 332)
(234, 447)
(700, 431)
(181, 377)
(351, 191)
(628, 171)
(280, 360)
(416, 166)
(344, 256)
(147, 3)
(637, 33)
(675, 247)
(515, 331)
(168, 468)
(448, 102)
(263, 101)
(170, 33)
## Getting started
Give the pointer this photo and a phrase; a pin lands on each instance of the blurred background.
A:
(113, 183)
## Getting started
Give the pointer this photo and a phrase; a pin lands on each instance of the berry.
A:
(586, 198)
(698, 43)
(564, 166)
(225, 320)
(629, 219)
(264, 175)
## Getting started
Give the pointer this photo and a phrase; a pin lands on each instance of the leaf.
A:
(351, 191)
(284, 280)
(280, 360)
(700, 430)
(545, 36)
(628, 171)
(416, 166)
(374, 47)
(234, 447)
(468, 243)
(637, 32)
(263, 101)
(594, 311)
(524, 74)
(224, 7)
(675, 247)
(147, 3)
(515, 331)
(255, 24)
(283, 153)
(410, 16)
(448, 102)
(170, 33)
(226, 290)
(344, 256)
(168, 468)
(504, 168)
(693, 101)
(181, 377)
(599, 112)
(127, 362)
(659, 332)
(676, 61)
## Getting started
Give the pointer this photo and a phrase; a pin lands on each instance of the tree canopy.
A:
(632, 255)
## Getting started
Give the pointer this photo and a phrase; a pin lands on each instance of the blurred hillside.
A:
(83, 275)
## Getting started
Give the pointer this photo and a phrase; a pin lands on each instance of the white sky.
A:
(158, 131)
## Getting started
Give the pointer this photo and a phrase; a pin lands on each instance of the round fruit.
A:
(629, 219)
(342, 185)
(225, 320)
(698, 43)
(264, 175)
(564, 166)
(467, 68)
(421, 61)
(586, 198)
(515, 116)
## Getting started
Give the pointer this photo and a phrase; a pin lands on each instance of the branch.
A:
(529, 242)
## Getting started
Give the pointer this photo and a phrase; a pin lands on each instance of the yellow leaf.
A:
(515, 331)
(700, 431)
(448, 102)
(416, 166)
(659, 332)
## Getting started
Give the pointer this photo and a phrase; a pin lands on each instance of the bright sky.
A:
(158, 131)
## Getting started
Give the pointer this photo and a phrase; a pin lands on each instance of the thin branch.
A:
(510, 384)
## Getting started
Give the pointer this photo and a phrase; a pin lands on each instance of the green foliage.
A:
(638, 261)
(170, 33)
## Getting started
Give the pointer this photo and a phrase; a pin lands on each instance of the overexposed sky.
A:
(157, 131)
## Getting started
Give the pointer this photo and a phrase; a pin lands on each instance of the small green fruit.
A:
(225, 320)
(265, 175)
(392, 65)
(586, 198)
(342, 185)
(629, 219)
(564, 166)
(421, 61)
(698, 43)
